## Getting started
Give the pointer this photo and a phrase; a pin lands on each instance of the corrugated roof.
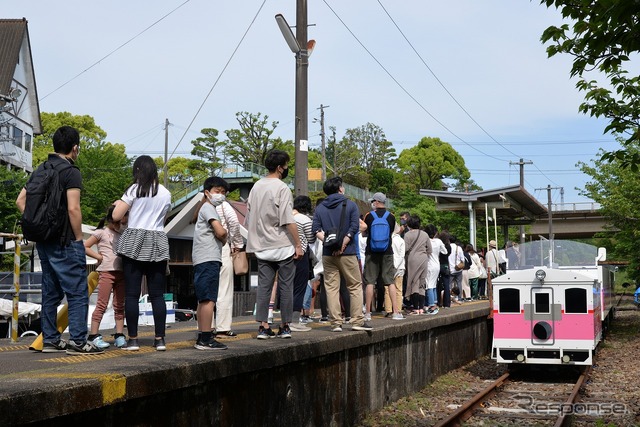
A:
(12, 32)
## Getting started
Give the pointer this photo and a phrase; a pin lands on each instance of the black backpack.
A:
(45, 216)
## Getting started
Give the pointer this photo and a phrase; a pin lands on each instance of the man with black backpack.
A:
(378, 263)
(51, 217)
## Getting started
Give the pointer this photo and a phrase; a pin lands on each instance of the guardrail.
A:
(575, 207)
(255, 171)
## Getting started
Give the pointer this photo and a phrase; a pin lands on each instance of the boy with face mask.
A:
(208, 238)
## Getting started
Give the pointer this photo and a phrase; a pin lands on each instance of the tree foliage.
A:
(430, 162)
(617, 189)
(106, 173)
(209, 148)
(105, 168)
(374, 150)
(12, 182)
(603, 39)
(252, 141)
(90, 133)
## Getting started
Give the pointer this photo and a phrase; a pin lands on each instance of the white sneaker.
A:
(367, 317)
(299, 327)
(397, 316)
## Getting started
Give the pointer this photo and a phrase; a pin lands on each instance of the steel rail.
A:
(564, 420)
(464, 412)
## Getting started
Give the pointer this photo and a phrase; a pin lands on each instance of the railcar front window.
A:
(509, 300)
(542, 303)
(575, 300)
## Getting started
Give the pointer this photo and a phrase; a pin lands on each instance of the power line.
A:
(440, 82)
(113, 51)
(403, 88)
(219, 76)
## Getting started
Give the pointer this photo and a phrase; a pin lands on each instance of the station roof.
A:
(514, 205)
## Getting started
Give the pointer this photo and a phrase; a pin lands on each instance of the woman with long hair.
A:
(144, 247)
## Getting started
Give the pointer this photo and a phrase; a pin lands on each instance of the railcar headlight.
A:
(540, 275)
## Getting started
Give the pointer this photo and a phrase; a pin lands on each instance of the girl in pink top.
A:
(111, 277)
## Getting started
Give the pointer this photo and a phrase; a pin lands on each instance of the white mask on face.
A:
(216, 199)
(373, 206)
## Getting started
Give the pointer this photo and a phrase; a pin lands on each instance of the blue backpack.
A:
(379, 232)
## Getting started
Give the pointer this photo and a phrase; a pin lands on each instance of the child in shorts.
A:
(208, 237)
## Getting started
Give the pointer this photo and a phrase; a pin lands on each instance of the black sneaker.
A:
(159, 344)
(54, 347)
(366, 326)
(284, 332)
(213, 345)
(265, 334)
(85, 348)
(132, 345)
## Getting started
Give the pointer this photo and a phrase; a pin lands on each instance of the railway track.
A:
(518, 402)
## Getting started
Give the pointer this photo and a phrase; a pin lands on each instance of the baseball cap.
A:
(378, 197)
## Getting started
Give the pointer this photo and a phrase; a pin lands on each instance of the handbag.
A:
(460, 265)
(240, 262)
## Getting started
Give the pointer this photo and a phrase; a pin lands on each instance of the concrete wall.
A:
(312, 380)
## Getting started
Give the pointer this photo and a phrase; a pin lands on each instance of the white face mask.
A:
(373, 206)
(216, 199)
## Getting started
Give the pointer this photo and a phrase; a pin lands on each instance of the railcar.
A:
(554, 307)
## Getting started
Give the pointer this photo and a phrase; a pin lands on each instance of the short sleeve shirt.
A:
(107, 243)
(205, 245)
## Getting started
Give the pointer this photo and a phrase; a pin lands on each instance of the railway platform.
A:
(318, 377)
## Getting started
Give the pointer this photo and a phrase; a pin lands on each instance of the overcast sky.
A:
(480, 79)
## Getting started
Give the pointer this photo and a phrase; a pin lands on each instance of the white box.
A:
(145, 316)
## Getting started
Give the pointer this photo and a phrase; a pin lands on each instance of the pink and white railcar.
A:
(552, 312)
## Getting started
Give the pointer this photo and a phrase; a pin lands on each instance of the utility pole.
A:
(521, 163)
(165, 168)
(302, 110)
(549, 209)
(322, 136)
(335, 151)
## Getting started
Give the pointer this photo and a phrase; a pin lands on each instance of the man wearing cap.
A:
(379, 265)
(493, 260)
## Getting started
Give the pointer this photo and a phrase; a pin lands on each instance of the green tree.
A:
(603, 39)
(12, 182)
(209, 148)
(252, 141)
(430, 162)
(106, 173)
(374, 150)
(90, 133)
(104, 166)
(617, 189)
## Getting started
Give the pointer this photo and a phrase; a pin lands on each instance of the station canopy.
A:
(514, 205)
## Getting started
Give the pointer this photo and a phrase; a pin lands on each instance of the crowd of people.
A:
(353, 264)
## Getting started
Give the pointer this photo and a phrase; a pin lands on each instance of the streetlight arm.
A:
(288, 34)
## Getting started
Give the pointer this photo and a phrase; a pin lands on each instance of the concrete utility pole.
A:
(165, 168)
(302, 109)
(549, 208)
(521, 163)
(322, 136)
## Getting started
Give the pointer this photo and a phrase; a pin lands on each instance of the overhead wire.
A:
(219, 77)
(403, 88)
(449, 93)
(114, 51)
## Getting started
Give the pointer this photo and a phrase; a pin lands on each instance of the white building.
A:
(19, 109)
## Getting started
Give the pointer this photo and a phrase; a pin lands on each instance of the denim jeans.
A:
(431, 297)
(64, 273)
